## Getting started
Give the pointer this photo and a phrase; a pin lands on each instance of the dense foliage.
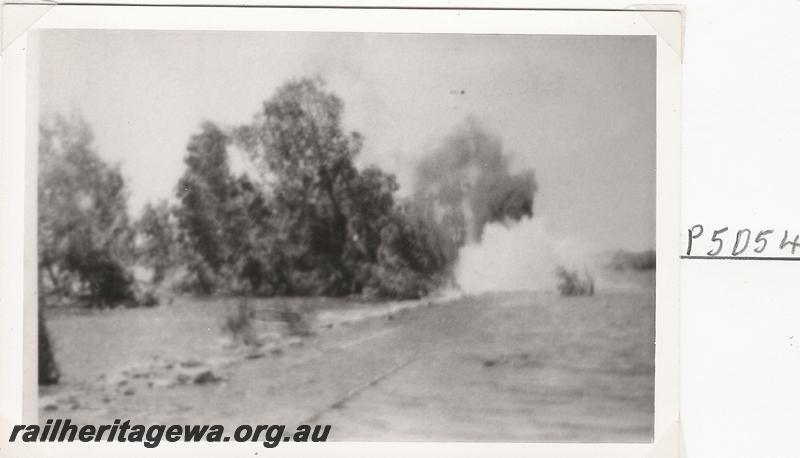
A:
(308, 221)
(155, 240)
(335, 230)
(85, 238)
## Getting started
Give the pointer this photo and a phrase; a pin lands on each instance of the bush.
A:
(147, 298)
(570, 283)
(240, 324)
(85, 239)
(156, 240)
(110, 284)
(396, 283)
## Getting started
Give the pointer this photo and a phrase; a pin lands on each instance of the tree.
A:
(414, 256)
(203, 191)
(224, 223)
(85, 239)
(328, 213)
(251, 241)
(369, 206)
(49, 373)
(157, 239)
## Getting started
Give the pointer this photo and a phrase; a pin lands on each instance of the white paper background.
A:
(740, 321)
(741, 145)
(21, 161)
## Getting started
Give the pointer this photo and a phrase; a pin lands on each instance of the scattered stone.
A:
(141, 373)
(162, 382)
(51, 407)
(294, 342)
(224, 361)
(129, 391)
(114, 380)
(513, 360)
(191, 363)
(207, 376)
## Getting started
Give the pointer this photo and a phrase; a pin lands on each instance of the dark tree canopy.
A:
(203, 192)
(85, 239)
(156, 244)
(329, 213)
(310, 222)
(222, 219)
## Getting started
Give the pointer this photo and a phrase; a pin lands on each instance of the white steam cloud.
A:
(518, 256)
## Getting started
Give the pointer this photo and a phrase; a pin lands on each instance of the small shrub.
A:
(202, 279)
(240, 324)
(570, 283)
(148, 299)
(389, 282)
(108, 283)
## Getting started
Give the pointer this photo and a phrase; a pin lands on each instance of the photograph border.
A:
(18, 388)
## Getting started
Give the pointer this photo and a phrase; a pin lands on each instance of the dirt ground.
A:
(532, 367)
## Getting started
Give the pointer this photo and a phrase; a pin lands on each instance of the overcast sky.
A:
(579, 110)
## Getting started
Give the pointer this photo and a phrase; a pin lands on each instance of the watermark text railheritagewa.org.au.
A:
(62, 430)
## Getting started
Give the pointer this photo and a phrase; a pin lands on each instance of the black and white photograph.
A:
(430, 237)
(518, 228)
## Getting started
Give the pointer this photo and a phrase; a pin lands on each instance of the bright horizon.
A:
(578, 110)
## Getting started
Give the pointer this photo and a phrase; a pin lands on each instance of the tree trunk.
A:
(48, 369)
(338, 229)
